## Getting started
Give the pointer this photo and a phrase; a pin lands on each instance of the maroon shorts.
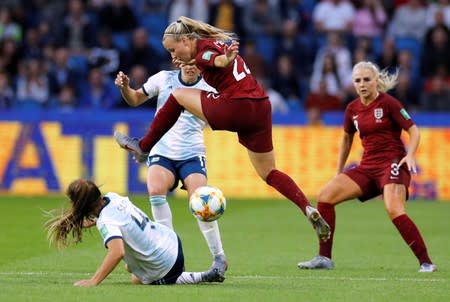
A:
(250, 118)
(371, 180)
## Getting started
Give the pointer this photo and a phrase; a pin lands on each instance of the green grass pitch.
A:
(263, 241)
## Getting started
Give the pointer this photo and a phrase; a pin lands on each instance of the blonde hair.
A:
(196, 29)
(85, 197)
(385, 80)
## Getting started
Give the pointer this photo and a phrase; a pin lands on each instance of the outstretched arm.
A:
(132, 97)
(115, 253)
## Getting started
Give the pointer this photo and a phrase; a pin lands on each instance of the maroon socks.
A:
(166, 117)
(288, 188)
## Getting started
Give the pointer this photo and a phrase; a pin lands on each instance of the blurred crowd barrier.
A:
(42, 153)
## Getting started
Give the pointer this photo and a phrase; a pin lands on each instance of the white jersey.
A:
(151, 249)
(185, 139)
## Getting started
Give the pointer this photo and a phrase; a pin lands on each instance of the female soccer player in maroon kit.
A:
(240, 106)
(385, 167)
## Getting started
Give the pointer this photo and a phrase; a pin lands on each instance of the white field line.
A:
(255, 277)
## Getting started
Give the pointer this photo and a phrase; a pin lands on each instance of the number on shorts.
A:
(395, 169)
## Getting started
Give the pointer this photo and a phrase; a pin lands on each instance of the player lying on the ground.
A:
(152, 252)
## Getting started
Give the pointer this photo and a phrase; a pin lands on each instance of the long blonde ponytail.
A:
(196, 29)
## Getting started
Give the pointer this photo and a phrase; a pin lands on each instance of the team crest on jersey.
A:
(378, 113)
(207, 55)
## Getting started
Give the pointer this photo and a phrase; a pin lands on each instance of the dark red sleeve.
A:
(349, 126)
(399, 114)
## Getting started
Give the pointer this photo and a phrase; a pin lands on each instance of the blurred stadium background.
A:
(59, 107)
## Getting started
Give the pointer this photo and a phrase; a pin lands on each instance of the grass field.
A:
(263, 241)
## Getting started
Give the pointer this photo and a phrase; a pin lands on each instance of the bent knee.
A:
(326, 196)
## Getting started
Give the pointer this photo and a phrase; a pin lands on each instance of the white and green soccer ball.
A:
(207, 203)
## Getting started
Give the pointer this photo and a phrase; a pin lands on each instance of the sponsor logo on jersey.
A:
(155, 159)
(207, 55)
(405, 114)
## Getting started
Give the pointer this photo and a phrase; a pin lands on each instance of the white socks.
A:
(210, 231)
(161, 210)
(189, 278)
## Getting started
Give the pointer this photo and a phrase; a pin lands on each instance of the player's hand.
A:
(410, 163)
(85, 283)
(122, 80)
(232, 51)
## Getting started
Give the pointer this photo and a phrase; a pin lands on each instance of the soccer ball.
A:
(207, 203)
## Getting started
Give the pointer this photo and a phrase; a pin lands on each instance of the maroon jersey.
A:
(234, 81)
(380, 125)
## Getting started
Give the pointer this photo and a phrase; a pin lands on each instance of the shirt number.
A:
(240, 75)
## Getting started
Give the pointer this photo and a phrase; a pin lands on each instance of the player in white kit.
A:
(180, 154)
(152, 252)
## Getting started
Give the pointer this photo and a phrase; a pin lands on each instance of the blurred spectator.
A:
(261, 17)
(104, 55)
(329, 75)
(253, 59)
(439, 7)
(364, 49)
(66, 100)
(9, 56)
(289, 43)
(438, 98)
(47, 16)
(99, 92)
(320, 101)
(138, 76)
(388, 57)
(333, 15)
(284, 79)
(407, 64)
(32, 84)
(118, 16)
(6, 91)
(369, 20)
(436, 51)
(78, 28)
(360, 54)
(405, 92)
(408, 21)
(9, 28)
(61, 73)
(277, 101)
(194, 9)
(141, 53)
(342, 56)
(32, 47)
(226, 14)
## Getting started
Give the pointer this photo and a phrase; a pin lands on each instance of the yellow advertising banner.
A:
(40, 158)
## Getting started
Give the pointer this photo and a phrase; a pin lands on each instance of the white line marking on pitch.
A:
(262, 277)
